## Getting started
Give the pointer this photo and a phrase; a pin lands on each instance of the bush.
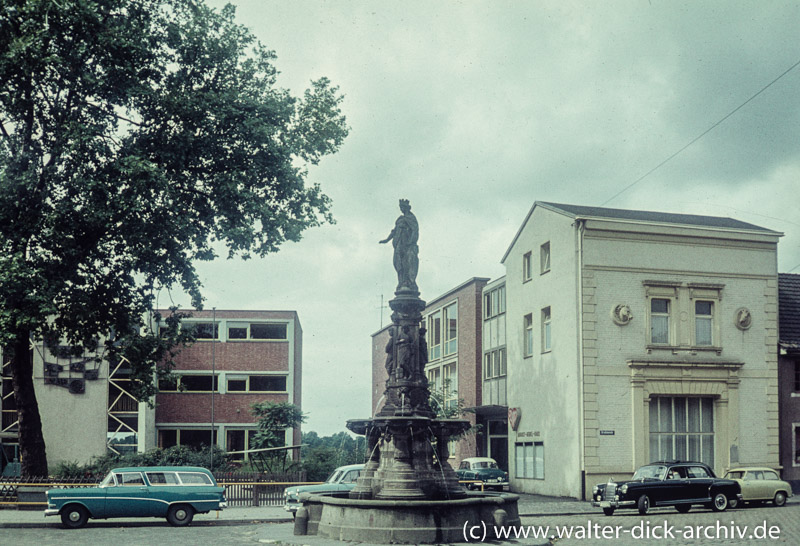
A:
(171, 456)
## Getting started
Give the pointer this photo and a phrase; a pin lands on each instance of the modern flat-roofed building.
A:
(240, 358)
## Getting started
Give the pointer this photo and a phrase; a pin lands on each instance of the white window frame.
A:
(449, 344)
(246, 377)
(700, 319)
(434, 332)
(527, 338)
(248, 325)
(527, 266)
(544, 258)
(547, 330)
(530, 465)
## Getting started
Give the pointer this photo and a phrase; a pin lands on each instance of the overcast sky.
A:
(474, 110)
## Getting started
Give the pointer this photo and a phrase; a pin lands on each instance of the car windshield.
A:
(651, 471)
(333, 478)
(108, 481)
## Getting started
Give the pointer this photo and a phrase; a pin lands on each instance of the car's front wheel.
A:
(719, 503)
(643, 504)
(780, 498)
(74, 516)
(608, 511)
(180, 515)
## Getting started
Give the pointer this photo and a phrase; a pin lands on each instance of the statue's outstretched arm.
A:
(389, 238)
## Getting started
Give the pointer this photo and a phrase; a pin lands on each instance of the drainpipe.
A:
(579, 227)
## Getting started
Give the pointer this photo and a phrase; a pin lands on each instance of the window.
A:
(527, 267)
(268, 331)
(190, 383)
(129, 479)
(194, 478)
(546, 330)
(796, 443)
(703, 323)
(162, 478)
(659, 321)
(267, 383)
(494, 302)
(797, 375)
(529, 460)
(528, 335)
(204, 330)
(544, 258)
(435, 330)
(256, 383)
(682, 428)
(451, 329)
(195, 437)
(494, 364)
(256, 331)
(238, 440)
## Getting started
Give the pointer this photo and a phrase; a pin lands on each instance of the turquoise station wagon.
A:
(174, 492)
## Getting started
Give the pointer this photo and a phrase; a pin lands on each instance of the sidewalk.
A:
(529, 505)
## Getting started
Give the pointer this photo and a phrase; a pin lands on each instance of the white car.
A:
(760, 484)
(342, 479)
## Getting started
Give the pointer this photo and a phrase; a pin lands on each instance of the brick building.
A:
(454, 324)
(249, 357)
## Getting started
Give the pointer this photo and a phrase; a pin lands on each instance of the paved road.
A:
(763, 525)
(249, 526)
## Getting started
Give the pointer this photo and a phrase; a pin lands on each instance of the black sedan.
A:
(667, 483)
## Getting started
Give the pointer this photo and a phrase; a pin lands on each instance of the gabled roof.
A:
(789, 310)
(642, 216)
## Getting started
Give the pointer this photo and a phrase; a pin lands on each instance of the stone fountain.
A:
(408, 493)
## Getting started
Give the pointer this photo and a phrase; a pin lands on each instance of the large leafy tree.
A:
(136, 137)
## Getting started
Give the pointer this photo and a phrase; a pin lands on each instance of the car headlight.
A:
(623, 489)
(595, 489)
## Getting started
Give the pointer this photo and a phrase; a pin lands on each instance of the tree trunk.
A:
(31, 440)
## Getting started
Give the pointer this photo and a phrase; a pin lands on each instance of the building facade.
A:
(240, 358)
(87, 408)
(789, 376)
(635, 336)
(453, 323)
(492, 412)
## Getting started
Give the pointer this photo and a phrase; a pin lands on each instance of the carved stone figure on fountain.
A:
(406, 354)
(390, 353)
(404, 239)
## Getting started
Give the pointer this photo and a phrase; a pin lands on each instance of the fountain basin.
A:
(406, 521)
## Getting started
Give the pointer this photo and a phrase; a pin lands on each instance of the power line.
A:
(701, 135)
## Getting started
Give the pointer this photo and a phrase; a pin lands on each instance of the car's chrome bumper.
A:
(292, 506)
(51, 512)
(613, 504)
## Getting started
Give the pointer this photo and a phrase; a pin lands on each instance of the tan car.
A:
(760, 484)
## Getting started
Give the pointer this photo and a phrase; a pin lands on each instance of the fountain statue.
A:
(408, 492)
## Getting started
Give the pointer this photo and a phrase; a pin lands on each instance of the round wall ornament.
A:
(621, 314)
(743, 318)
